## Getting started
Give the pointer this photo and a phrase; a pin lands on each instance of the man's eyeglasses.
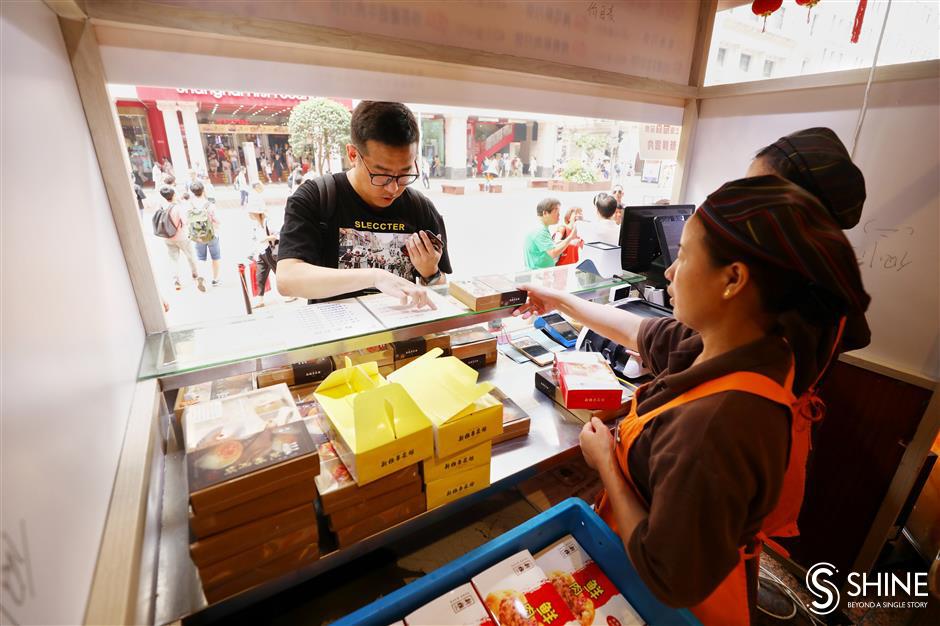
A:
(381, 180)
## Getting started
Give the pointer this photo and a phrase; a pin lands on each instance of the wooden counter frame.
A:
(119, 592)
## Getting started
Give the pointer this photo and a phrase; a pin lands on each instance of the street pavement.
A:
(485, 232)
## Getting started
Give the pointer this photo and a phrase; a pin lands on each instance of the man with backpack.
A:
(203, 229)
(170, 225)
(371, 203)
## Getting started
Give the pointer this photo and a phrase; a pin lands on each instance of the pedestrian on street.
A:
(179, 242)
(203, 228)
(241, 184)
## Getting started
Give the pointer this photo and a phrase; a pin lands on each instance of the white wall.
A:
(71, 332)
(899, 153)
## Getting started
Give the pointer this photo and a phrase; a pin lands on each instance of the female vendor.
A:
(711, 460)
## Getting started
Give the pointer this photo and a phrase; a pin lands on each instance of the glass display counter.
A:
(186, 356)
(190, 355)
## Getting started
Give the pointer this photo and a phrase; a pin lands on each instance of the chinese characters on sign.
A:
(885, 247)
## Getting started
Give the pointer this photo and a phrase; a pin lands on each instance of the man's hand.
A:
(406, 292)
(423, 255)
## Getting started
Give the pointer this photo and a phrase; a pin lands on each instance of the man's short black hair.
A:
(167, 192)
(606, 206)
(197, 189)
(391, 123)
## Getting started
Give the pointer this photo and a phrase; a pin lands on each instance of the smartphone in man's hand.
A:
(436, 242)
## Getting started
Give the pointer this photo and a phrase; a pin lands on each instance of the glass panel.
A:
(797, 41)
(272, 332)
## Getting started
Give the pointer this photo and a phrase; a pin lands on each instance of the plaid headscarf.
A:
(825, 169)
(778, 222)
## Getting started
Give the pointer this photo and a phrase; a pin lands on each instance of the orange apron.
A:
(728, 604)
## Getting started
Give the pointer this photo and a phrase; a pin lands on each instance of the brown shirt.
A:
(711, 469)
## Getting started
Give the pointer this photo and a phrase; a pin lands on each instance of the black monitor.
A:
(668, 233)
(649, 236)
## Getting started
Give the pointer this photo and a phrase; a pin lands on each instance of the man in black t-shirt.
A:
(375, 238)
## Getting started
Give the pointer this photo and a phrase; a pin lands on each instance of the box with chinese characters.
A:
(214, 390)
(586, 381)
(410, 349)
(475, 346)
(461, 410)
(516, 591)
(377, 426)
(244, 447)
(435, 469)
(486, 292)
(546, 381)
(458, 607)
(455, 486)
(382, 355)
(587, 591)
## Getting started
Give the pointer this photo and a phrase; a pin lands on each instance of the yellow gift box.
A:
(378, 427)
(461, 409)
(456, 486)
(435, 469)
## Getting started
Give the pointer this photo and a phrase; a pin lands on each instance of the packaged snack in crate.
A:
(458, 607)
(583, 586)
(516, 592)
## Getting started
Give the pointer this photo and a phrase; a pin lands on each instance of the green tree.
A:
(591, 145)
(321, 126)
(576, 172)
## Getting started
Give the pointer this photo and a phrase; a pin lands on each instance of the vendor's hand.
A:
(574, 241)
(423, 255)
(541, 300)
(406, 292)
(597, 445)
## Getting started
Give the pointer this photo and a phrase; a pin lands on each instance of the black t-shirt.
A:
(367, 237)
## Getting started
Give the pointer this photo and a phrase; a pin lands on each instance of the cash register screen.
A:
(669, 232)
(641, 249)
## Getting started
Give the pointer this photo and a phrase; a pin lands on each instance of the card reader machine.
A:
(558, 329)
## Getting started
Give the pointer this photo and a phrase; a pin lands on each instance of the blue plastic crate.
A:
(571, 517)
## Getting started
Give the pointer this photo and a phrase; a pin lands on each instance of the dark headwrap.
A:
(821, 165)
(773, 220)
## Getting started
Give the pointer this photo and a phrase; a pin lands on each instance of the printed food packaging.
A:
(516, 592)
(475, 346)
(583, 586)
(455, 486)
(378, 427)
(486, 292)
(337, 490)
(435, 469)
(217, 389)
(586, 381)
(461, 410)
(244, 447)
(458, 607)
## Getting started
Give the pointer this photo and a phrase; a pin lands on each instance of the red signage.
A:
(222, 96)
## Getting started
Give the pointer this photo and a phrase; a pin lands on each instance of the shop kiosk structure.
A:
(84, 302)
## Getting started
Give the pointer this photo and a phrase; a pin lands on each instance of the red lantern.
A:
(859, 18)
(764, 8)
(809, 4)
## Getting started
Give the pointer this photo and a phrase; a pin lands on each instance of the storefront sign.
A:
(218, 94)
(247, 129)
(659, 142)
(223, 97)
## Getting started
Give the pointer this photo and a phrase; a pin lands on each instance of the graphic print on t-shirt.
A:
(365, 249)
